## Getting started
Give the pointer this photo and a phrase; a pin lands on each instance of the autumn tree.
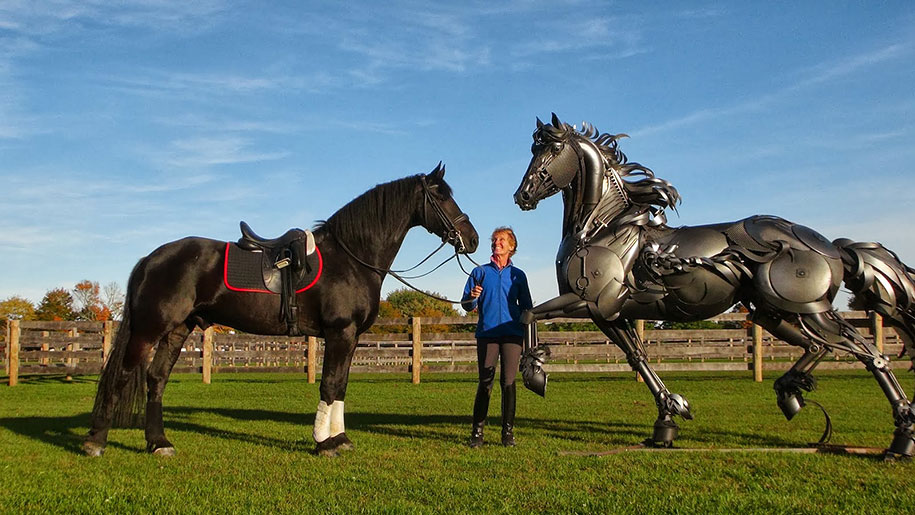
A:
(89, 306)
(16, 307)
(57, 304)
(113, 299)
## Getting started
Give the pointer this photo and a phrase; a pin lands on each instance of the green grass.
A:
(244, 445)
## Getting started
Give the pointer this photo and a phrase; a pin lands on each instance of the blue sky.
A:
(125, 125)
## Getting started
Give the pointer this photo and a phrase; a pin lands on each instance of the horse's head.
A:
(600, 181)
(554, 164)
(441, 215)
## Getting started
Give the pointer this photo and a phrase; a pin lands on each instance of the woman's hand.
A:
(476, 291)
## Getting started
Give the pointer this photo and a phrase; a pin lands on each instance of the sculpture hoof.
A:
(93, 449)
(342, 442)
(665, 432)
(902, 446)
(791, 405)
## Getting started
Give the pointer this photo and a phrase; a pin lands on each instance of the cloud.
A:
(50, 17)
(826, 72)
(210, 151)
(815, 76)
(575, 34)
(208, 87)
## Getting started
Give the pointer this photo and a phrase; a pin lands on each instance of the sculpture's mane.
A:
(640, 183)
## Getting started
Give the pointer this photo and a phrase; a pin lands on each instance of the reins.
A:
(451, 235)
(396, 273)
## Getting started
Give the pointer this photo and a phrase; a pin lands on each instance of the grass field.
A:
(244, 446)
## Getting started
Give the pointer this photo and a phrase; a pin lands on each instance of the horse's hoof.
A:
(342, 442)
(93, 449)
(164, 451)
(327, 448)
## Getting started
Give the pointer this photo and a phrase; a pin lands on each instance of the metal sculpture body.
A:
(180, 286)
(619, 261)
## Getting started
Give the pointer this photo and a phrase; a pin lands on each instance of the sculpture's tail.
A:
(882, 283)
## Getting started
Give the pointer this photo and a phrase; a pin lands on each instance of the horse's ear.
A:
(439, 172)
(556, 122)
(539, 123)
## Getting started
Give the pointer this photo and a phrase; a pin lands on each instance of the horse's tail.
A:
(881, 282)
(121, 392)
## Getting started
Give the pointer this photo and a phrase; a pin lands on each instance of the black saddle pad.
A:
(244, 270)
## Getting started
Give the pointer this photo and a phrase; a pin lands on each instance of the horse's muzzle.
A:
(524, 199)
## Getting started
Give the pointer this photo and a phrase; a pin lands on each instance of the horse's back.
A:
(182, 268)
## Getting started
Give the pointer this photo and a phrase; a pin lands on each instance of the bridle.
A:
(451, 234)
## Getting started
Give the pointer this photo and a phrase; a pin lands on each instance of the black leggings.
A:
(489, 350)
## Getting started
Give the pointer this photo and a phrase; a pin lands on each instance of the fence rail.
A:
(74, 348)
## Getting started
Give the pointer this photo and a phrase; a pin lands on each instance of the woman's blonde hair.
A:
(511, 235)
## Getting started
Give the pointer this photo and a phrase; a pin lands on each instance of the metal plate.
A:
(816, 241)
(800, 276)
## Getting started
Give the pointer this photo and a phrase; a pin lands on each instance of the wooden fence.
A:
(73, 348)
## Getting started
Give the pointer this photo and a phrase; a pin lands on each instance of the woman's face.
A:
(502, 245)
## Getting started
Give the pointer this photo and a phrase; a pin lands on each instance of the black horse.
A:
(180, 286)
(620, 261)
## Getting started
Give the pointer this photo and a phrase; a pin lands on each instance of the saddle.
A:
(286, 265)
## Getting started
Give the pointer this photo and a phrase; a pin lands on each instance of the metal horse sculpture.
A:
(179, 286)
(620, 261)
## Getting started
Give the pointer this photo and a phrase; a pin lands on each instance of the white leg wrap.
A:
(336, 418)
(322, 422)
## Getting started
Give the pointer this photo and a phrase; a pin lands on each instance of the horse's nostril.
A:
(525, 196)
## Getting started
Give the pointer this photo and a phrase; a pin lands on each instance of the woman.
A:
(499, 292)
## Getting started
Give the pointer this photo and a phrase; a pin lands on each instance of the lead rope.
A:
(403, 280)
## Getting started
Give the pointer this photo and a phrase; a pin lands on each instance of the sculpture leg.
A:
(669, 404)
(789, 387)
(566, 305)
(838, 334)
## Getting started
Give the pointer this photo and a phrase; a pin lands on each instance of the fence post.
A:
(312, 359)
(13, 344)
(71, 362)
(877, 330)
(207, 354)
(640, 332)
(106, 341)
(45, 347)
(417, 348)
(6, 349)
(757, 353)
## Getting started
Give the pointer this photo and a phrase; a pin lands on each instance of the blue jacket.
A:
(505, 295)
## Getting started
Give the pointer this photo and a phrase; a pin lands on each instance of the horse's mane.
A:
(367, 214)
(640, 183)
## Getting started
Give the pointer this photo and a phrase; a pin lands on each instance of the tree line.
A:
(89, 301)
(85, 301)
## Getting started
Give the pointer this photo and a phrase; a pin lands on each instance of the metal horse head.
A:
(588, 168)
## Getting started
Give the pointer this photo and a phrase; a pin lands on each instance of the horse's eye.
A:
(557, 147)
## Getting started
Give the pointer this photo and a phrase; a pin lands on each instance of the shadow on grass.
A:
(67, 433)
(41, 379)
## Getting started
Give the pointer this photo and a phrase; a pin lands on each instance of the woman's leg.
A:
(487, 354)
(511, 358)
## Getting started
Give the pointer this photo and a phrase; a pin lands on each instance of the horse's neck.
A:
(387, 244)
(582, 214)
(384, 234)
